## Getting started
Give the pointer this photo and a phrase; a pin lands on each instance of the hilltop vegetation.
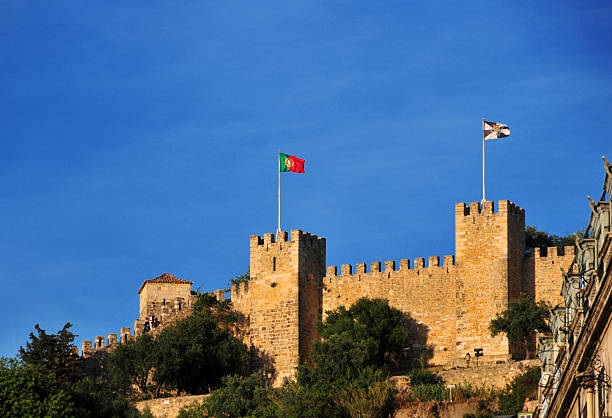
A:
(535, 238)
(347, 374)
(48, 379)
(191, 356)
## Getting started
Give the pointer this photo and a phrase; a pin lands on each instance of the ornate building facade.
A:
(577, 357)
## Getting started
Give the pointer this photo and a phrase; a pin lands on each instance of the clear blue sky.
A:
(140, 137)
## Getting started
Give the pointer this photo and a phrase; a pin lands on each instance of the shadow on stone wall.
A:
(261, 362)
(96, 364)
(417, 353)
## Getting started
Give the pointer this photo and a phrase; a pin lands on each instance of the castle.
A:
(451, 303)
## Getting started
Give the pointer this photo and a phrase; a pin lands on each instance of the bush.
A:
(428, 392)
(369, 394)
(424, 377)
(466, 391)
(369, 333)
(512, 398)
(521, 387)
(349, 377)
(238, 397)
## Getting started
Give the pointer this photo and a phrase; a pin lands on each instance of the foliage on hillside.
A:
(348, 377)
(48, 379)
(520, 321)
(369, 333)
(190, 356)
(535, 238)
(241, 278)
(510, 400)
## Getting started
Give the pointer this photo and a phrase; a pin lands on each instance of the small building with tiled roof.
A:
(164, 295)
(165, 278)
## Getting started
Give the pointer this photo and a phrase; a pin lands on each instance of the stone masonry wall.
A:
(425, 294)
(483, 254)
(163, 298)
(448, 307)
(311, 266)
(271, 299)
(542, 273)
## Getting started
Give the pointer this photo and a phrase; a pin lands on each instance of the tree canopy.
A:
(369, 333)
(190, 356)
(133, 362)
(520, 320)
(49, 379)
(348, 375)
(535, 238)
(195, 353)
(54, 353)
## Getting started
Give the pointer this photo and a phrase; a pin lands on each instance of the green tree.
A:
(369, 333)
(54, 353)
(96, 398)
(520, 320)
(351, 363)
(133, 362)
(520, 388)
(535, 238)
(52, 378)
(348, 377)
(238, 397)
(241, 278)
(29, 390)
(195, 353)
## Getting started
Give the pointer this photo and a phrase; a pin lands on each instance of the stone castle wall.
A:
(543, 273)
(164, 298)
(426, 295)
(448, 306)
(281, 300)
(99, 343)
(485, 246)
(452, 303)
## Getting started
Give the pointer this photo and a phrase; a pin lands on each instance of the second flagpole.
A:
(279, 194)
(483, 161)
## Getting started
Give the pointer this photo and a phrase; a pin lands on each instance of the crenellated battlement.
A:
(391, 266)
(542, 272)
(552, 252)
(271, 255)
(449, 300)
(488, 208)
(297, 235)
(239, 291)
(99, 342)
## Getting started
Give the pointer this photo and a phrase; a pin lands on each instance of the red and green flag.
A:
(290, 163)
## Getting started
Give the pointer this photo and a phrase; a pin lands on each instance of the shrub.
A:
(237, 397)
(521, 387)
(424, 377)
(429, 392)
(466, 390)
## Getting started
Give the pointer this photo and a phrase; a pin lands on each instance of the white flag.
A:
(492, 130)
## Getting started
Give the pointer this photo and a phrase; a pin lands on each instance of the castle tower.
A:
(282, 299)
(163, 295)
(490, 248)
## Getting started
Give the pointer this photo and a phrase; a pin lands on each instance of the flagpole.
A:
(483, 161)
(279, 193)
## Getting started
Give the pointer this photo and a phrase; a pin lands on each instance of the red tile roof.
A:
(164, 278)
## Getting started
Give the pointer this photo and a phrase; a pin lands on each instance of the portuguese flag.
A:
(290, 163)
